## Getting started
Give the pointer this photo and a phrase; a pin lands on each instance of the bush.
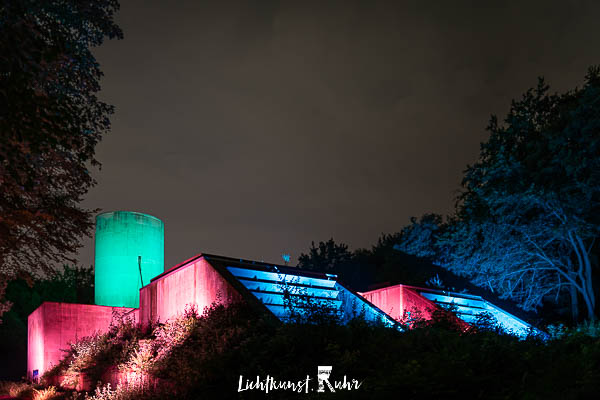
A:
(203, 356)
(16, 389)
(49, 393)
(93, 355)
(123, 392)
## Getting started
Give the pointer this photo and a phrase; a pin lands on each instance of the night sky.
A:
(253, 128)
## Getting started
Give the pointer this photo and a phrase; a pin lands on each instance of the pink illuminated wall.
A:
(401, 302)
(194, 282)
(52, 326)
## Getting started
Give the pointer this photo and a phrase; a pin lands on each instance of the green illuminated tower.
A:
(130, 249)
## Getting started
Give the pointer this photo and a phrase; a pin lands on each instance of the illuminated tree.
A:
(421, 237)
(527, 219)
(529, 247)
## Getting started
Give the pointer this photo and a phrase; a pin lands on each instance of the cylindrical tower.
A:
(130, 250)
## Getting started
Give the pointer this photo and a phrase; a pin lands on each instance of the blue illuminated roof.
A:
(471, 308)
(284, 292)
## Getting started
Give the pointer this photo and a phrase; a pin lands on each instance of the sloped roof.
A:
(279, 287)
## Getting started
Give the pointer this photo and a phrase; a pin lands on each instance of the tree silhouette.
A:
(50, 123)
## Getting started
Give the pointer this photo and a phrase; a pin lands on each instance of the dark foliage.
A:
(50, 123)
(382, 265)
(360, 268)
(435, 359)
(335, 258)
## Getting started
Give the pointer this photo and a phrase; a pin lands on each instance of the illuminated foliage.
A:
(527, 219)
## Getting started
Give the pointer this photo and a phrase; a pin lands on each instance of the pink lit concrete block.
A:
(401, 302)
(192, 283)
(52, 326)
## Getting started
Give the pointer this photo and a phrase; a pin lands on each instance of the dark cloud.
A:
(252, 128)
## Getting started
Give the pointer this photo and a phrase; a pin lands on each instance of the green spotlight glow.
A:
(123, 239)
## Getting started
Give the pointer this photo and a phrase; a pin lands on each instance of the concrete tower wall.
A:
(121, 238)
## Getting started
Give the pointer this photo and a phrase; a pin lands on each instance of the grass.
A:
(20, 390)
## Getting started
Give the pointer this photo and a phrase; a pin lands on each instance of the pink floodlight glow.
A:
(403, 303)
(193, 283)
(52, 326)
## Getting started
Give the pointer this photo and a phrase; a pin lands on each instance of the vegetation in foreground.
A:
(23, 390)
(203, 356)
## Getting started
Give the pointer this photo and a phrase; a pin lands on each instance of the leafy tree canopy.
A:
(50, 123)
(325, 257)
(527, 218)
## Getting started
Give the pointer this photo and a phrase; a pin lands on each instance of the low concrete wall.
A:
(52, 326)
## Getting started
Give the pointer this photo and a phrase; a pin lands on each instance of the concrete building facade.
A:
(207, 279)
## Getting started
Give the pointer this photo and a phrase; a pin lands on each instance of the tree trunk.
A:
(587, 284)
(589, 306)
(574, 304)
